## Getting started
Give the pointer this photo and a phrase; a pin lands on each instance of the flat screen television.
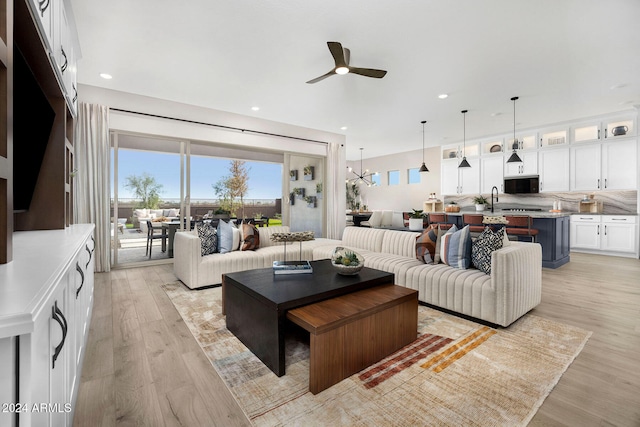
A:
(32, 122)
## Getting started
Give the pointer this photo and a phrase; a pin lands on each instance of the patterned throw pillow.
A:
(250, 237)
(427, 243)
(487, 242)
(208, 238)
(456, 247)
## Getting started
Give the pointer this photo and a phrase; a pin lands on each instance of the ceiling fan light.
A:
(514, 158)
(464, 163)
(342, 70)
(423, 168)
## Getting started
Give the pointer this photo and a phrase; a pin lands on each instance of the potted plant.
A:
(452, 207)
(416, 220)
(308, 173)
(299, 192)
(311, 201)
(293, 175)
(481, 202)
(319, 190)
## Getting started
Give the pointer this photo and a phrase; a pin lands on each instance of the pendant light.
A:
(364, 177)
(423, 168)
(514, 156)
(464, 163)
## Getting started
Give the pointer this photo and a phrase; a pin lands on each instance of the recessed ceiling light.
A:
(106, 76)
(495, 114)
(618, 86)
(343, 128)
(443, 96)
(255, 108)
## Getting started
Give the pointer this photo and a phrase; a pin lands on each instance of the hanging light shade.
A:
(464, 163)
(423, 168)
(364, 177)
(514, 156)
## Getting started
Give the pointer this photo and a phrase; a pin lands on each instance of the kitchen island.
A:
(553, 232)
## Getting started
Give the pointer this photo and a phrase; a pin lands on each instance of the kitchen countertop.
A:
(499, 212)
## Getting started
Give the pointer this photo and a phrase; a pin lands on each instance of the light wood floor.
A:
(143, 367)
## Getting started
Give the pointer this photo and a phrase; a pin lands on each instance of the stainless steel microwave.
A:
(522, 185)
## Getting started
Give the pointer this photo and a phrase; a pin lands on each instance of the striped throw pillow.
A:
(455, 249)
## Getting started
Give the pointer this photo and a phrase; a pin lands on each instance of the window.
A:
(414, 175)
(394, 177)
(376, 179)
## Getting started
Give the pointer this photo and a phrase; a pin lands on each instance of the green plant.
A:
(298, 191)
(319, 187)
(307, 170)
(417, 213)
(480, 200)
(349, 259)
(145, 188)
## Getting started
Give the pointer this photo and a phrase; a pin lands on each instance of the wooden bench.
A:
(353, 331)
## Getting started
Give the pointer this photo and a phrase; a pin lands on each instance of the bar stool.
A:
(520, 225)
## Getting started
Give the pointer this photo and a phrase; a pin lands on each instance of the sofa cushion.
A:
(208, 238)
(250, 237)
(225, 236)
(141, 213)
(426, 244)
(484, 245)
(363, 238)
(455, 249)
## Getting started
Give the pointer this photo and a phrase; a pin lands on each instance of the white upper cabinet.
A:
(492, 173)
(455, 180)
(493, 146)
(553, 138)
(528, 166)
(554, 169)
(527, 141)
(607, 166)
(611, 128)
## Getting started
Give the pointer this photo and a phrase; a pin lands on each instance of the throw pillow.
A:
(487, 242)
(426, 244)
(250, 237)
(225, 236)
(456, 247)
(208, 238)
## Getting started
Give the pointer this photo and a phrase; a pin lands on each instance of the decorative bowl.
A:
(346, 262)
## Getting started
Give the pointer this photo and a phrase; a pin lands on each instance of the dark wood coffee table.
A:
(256, 303)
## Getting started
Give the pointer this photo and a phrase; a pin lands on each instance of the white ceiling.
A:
(565, 59)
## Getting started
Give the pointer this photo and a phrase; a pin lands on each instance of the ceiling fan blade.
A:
(347, 56)
(338, 54)
(368, 72)
(322, 77)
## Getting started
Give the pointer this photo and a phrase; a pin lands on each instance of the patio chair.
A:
(151, 236)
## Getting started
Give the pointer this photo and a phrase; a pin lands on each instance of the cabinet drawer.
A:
(585, 218)
(620, 219)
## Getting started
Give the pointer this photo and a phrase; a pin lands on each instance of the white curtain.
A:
(335, 193)
(92, 191)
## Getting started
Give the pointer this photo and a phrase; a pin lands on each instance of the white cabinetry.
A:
(608, 129)
(554, 170)
(47, 303)
(59, 37)
(607, 234)
(457, 180)
(491, 170)
(604, 166)
(528, 166)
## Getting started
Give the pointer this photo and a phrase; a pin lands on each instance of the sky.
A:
(265, 179)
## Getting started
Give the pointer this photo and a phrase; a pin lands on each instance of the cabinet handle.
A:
(598, 133)
(43, 5)
(79, 270)
(605, 132)
(58, 317)
(605, 183)
(605, 229)
(75, 93)
(598, 183)
(598, 229)
(618, 219)
(90, 254)
(63, 67)
(94, 244)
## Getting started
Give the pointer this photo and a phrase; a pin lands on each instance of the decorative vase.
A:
(415, 224)
(480, 208)
(346, 262)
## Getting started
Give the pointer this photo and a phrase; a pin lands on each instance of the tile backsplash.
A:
(614, 202)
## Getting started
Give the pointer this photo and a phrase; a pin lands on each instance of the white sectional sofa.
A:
(513, 288)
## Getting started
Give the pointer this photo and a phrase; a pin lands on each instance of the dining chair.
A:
(151, 236)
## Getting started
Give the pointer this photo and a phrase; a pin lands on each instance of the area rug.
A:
(456, 373)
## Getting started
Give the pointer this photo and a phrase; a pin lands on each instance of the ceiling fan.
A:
(341, 57)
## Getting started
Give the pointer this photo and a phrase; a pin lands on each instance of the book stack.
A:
(292, 267)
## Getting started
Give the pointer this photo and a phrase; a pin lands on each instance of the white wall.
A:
(402, 197)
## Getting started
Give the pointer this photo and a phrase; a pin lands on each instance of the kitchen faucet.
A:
(493, 188)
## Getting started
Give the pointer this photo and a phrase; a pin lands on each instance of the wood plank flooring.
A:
(143, 367)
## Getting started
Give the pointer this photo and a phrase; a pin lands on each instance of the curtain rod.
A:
(218, 126)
